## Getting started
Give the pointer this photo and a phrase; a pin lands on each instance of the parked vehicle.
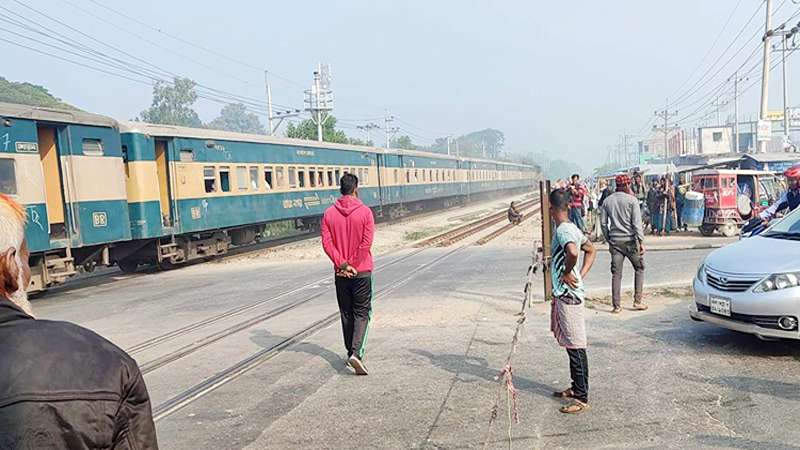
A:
(753, 285)
(733, 196)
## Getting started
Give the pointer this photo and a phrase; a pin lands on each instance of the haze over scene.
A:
(560, 78)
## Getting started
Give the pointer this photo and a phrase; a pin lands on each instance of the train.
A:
(102, 192)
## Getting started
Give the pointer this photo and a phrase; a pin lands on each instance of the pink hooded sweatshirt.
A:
(347, 231)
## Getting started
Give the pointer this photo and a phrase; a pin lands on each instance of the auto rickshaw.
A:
(733, 196)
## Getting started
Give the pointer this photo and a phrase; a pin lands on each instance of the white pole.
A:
(762, 145)
(269, 104)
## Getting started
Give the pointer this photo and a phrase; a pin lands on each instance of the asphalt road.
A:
(440, 336)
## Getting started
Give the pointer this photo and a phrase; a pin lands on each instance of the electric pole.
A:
(368, 129)
(269, 103)
(625, 151)
(786, 35)
(762, 116)
(665, 115)
(716, 104)
(388, 130)
(320, 98)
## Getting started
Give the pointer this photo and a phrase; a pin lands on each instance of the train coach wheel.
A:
(165, 265)
(127, 265)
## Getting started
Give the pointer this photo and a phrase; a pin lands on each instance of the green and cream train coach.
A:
(102, 192)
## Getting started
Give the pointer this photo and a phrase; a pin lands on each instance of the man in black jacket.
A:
(61, 386)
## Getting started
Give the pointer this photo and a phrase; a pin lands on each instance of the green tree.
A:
(403, 142)
(307, 130)
(235, 117)
(172, 104)
(31, 95)
(479, 144)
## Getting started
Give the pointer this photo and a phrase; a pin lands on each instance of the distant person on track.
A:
(63, 386)
(578, 191)
(514, 216)
(621, 221)
(567, 311)
(347, 231)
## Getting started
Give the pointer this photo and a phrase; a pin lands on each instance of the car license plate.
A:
(720, 305)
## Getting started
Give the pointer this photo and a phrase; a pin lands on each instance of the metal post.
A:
(736, 112)
(547, 233)
(762, 145)
(785, 94)
(269, 104)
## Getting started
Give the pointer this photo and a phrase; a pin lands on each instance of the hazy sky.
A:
(563, 77)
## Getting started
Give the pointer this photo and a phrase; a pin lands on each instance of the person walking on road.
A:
(348, 227)
(621, 220)
(578, 191)
(63, 385)
(567, 310)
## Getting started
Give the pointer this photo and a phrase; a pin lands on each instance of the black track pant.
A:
(355, 307)
(579, 372)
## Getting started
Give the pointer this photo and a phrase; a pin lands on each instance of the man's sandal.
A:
(576, 407)
(566, 393)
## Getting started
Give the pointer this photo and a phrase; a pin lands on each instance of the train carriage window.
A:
(292, 177)
(366, 176)
(254, 178)
(8, 177)
(320, 177)
(187, 155)
(241, 178)
(396, 176)
(225, 179)
(92, 147)
(279, 183)
(337, 176)
(331, 181)
(408, 176)
(301, 178)
(210, 178)
(268, 177)
(311, 177)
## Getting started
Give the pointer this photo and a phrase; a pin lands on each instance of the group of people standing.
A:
(661, 202)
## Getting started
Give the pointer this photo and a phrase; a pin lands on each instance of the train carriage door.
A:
(53, 187)
(162, 170)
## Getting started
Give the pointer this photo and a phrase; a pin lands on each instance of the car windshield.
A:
(789, 226)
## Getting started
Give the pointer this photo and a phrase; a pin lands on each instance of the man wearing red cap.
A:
(621, 222)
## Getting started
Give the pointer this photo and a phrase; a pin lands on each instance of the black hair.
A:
(348, 184)
(575, 175)
(560, 199)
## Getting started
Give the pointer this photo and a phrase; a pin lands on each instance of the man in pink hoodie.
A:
(347, 231)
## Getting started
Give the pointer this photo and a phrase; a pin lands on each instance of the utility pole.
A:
(388, 130)
(449, 139)
(269, 103)
(736, 112)
(368, 129)
(716, 104)
(320, 98)
(762, 145)
(786, 35)
(665, 115)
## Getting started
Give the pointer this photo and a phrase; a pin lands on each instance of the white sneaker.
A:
(357, 365)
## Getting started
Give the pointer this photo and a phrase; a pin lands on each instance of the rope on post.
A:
(506, 375)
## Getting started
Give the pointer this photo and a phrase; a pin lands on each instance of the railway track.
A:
(113, 274)
(507, 227)
(206, 386)
(216, 381)
(459, 233)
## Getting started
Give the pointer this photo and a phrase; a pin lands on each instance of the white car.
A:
(753, 285)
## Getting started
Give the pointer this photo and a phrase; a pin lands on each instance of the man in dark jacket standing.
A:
(621, 221)
(347, 230)
(63, 386)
